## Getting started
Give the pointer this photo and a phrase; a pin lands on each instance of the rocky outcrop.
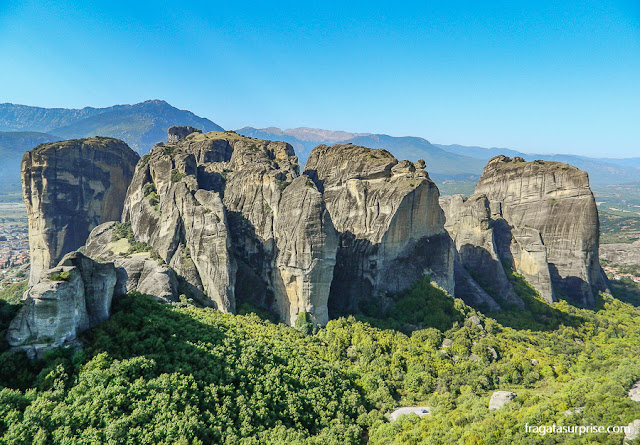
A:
(69, 299)
(621, 254)
(177, 133)
(235, 219)
(143, 273)
(479, 274)
(500, 399)
(539, 218)
(70, 187)
(389, 222)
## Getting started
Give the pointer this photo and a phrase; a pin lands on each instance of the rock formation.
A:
(227, 219)
(621, 254)
(539, 218)
(233, 217)
(177, 133)
(389, 222)
(70, 187)
(500, 399)
(478, 262)
(69, 299)
(143, 273)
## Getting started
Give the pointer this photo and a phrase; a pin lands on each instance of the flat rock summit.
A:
(225, 219)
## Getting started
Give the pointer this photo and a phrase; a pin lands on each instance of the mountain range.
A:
(141, 125)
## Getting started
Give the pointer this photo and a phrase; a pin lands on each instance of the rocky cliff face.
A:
(233, 217)
(541, 218)
(389, 223)
(176, 133)
(69, 299)
(478, 261)
(70, 187)
(621, 254)
(138, 270)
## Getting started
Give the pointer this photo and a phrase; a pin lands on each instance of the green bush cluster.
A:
(62, 276)
(158, 373)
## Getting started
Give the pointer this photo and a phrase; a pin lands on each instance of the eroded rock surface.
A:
(143, 273)
(177, 133)
(621, 254)
(233, 217)
(390, 225)
(539, 218)
(70, 298)
(69, 188)
(500, 399)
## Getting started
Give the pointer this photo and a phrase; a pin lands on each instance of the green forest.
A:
(178, 374)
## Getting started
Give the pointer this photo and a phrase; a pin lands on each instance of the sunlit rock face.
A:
(389, 222)
(235, 219)
(69, 298)
(69, 188)
(539, 218)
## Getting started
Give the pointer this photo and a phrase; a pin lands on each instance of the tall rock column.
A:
(390, 224)
(542, 220)
(69, 188)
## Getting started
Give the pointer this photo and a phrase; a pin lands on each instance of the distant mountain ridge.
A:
(140, 125)
(441, 164)
(13, 144)
(602, 171)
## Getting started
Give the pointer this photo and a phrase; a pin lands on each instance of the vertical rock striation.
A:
(538, 217)
(235, 219)
(389, 222)
(70, 187)
(68, 299)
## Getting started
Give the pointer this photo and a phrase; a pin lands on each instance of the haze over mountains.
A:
(141, 125)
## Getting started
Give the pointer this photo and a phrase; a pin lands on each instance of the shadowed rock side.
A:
(544, 222)
(228, 214)
(176, 133)
(69, 188)
(472, 229)
(389, 222)
(69, 299)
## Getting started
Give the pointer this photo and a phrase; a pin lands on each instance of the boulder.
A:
(632, 432)
(69, 188)
(500, 398)
(634, 392)
(177, 133)
(143, 273)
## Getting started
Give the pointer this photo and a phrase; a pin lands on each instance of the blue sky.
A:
(539, 76)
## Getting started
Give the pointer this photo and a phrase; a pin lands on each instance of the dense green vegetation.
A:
(179, 374)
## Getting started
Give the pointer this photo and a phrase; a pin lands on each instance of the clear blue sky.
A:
(540, 76)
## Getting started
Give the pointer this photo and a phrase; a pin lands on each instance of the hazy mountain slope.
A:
(12, 147)
(480, 152)
(601, 170)
(26, 118)
(140, 125)
(440, 163)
